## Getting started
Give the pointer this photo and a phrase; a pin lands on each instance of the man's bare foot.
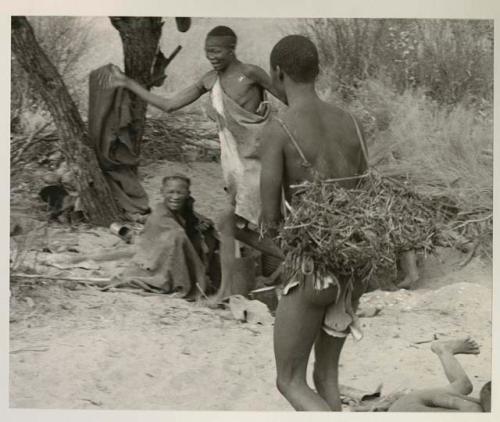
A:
(465, 346)
(408, 282)
(217, 301)
(408, 260)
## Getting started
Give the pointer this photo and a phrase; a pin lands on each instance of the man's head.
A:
(219, 47)
(485, 397)
(175, 191)
(295, 57)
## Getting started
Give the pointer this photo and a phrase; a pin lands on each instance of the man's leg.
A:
(226, 229)
(298, 322)
(327, 351)
(265, 245)
(326, 368)
(445, 350)
(408, 262)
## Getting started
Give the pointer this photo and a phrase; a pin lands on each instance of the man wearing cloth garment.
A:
(238, 103)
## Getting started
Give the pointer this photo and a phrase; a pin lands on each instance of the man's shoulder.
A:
(252, 71)
(272, 134)
(249, 67)
(335, 111)
(207, 81)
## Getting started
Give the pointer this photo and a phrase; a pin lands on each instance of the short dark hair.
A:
(297, 56)
(222, 31)
(485, 397)
(176, 176)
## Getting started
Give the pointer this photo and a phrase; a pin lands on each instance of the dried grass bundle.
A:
(356, 232)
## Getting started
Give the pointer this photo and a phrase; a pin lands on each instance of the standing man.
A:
(310, 139)
(237, 93)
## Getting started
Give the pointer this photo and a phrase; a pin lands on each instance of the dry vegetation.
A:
(423, 90)
(356, 233)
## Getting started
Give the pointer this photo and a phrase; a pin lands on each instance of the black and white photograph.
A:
(272, 214)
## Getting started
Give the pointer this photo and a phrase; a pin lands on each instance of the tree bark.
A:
(140, 38)
(97, 200)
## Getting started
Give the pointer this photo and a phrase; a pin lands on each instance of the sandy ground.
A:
(73, 346)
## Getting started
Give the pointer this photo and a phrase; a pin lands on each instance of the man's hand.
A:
(113, 78)
(204, 224)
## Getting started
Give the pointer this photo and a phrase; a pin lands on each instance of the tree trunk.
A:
(140, 39)
(96, 197)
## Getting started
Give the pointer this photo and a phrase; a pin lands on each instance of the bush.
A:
(451, 60)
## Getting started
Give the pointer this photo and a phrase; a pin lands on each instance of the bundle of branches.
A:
(173, 138)
(356, 232)
(467, 205)
(163, 139)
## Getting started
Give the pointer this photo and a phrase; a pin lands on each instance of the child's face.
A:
(219, 52)
(175, 192)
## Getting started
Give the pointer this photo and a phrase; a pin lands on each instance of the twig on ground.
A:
(34, 349)
(134, 291)
(90, 280)
(434, 338)
(94, 402)
(201, 291)
(128, 282)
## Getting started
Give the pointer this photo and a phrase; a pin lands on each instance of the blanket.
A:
(115, 143)
(238, 133)
(172, 254)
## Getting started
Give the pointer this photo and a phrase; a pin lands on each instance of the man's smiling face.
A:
(219, 51)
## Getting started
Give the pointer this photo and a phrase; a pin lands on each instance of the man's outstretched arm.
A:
(183, 98)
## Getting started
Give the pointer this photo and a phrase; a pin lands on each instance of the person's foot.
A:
(217, 301)
(465, 346)
(408, 282)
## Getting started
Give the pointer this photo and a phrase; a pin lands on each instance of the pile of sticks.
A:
(357, 232)
(178, 136)
(167, 139)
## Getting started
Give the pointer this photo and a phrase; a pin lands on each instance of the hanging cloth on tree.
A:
(116, 143)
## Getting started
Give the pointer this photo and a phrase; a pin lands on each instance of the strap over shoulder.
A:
(360, 138)
(305, 162)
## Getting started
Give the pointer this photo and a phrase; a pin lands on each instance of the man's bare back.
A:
(326, 136)
(312, 138)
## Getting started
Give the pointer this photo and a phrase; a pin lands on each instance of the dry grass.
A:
(446, 150)
(451, 60)
(422, 89)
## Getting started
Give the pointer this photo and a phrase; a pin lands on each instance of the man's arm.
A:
(259, 76)
(176, 102)
(271, 174)
(116, 78)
